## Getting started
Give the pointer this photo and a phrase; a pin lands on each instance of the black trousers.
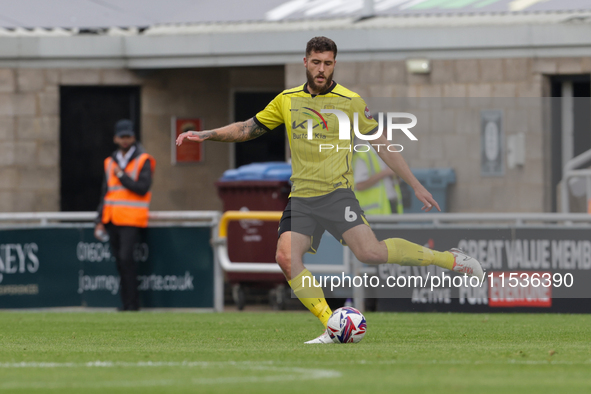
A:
(123, 240)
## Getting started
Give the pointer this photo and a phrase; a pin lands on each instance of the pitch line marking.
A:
(272, 365)
(468, 362)
(275, 374)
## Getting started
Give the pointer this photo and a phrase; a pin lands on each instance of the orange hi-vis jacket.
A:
(123, 207)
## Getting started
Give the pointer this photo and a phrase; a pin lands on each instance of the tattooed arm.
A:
(235, 132)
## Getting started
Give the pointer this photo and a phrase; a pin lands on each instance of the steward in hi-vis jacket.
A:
(124, 207)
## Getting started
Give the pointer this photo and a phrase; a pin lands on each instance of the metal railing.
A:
(46, 218)
(446, 219)
(219, 233)
(85, 219)
(221, 245)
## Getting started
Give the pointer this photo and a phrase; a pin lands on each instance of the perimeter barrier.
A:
(519, 252)
(53, 260)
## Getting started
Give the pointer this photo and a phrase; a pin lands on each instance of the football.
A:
(346, 325)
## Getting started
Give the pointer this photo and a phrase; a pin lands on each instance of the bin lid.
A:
(435, 177)
(269, 171)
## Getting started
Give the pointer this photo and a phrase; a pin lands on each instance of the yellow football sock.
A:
(311, 295)
(403, 252)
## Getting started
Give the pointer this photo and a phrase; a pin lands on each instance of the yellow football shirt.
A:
(321, 164)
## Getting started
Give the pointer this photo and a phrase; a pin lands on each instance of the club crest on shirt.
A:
(368, 114)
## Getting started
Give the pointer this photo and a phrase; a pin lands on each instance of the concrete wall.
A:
(29, 125)
(29, 140)
(203, 93)
(30, 131)
(450, 141)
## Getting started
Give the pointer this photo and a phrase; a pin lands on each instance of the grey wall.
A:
(29, 129)
(448, 138)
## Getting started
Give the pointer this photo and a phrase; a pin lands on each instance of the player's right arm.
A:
(396, 162)
(235, 132)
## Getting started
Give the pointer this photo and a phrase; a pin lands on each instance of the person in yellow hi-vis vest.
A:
(376, 185)
(124, 207)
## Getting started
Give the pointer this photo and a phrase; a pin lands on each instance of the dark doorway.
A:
(581, 93)
(88, 117)
(268, 147)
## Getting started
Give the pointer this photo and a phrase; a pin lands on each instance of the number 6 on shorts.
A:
(350, 216)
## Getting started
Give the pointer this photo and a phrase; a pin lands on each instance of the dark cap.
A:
(124, 127)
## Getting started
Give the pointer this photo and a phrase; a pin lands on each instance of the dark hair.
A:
(321, 44)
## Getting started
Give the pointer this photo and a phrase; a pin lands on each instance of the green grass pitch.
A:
(263, 352)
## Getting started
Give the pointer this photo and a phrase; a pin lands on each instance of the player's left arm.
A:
(368, 125)
(396, 162)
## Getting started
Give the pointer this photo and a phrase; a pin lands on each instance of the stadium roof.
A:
(174, 34)
(93, 14)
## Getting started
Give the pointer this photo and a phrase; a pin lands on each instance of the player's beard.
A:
(312, 83)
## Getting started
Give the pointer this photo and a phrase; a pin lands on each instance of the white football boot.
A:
(465, 264)
(324, 338)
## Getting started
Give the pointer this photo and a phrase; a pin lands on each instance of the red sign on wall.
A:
(520, 288)
(189, 151)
